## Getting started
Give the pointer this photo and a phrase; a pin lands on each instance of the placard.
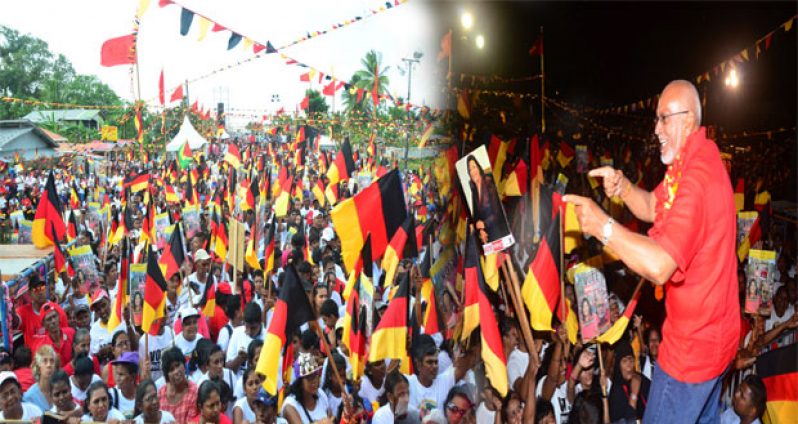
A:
(759, 277)
(85, 263)
(592, 301)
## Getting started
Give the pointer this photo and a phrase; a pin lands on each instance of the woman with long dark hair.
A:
(306, 402)
(148, 407)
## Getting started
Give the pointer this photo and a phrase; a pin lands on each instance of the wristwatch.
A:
(606, 231)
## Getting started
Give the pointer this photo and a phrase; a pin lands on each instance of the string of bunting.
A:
(32, 102)
(585, 120)
(504, 93)
(260, 49)
(488, 79)
(769, 134)
(758, 47)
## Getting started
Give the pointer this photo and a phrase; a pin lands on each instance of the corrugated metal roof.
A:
(64, 115)
(9, 134)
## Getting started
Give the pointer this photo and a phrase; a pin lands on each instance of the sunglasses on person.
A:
(38, 289)
(454, 409)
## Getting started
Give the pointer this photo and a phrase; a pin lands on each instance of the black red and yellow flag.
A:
(343, 166)
(779, 371)
(122, 289)
(291, 310)
(478, 312)
(58, 255)
(378, 210)
(48, 224)
(357, 342)
(137, 183)
(541, 287)
(173, 254)
(268, 254)
(232, 156)
(154, 292)
(389, 339)
(402, 245)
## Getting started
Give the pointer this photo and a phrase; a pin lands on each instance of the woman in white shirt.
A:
(148, 406)
(13, 407)
(98, 405)
(305, 402)
(244, 409)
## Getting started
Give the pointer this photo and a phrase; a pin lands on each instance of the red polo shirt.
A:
(702, 328)
(62, 347)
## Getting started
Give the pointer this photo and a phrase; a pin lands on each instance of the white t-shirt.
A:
(243, 405)
(79, 394)
(100, 336)
(318, 413)
(484, 415)
(787, 336)
(559, 400)
(166, 418)
(444, 361)
(334, 402)
(517, 364)
(186, 346)
(156, 344)
(229, 377)
(113, 414)
(239, 341)
(29, 412)
(384, 415)
(223, 339)
(368, 392)
(426, 399)
(121, 403)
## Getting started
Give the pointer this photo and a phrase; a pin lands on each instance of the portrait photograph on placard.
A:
(482, 197)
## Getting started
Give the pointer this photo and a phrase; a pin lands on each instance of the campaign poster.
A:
(191, 221)
(561, 184)
(592, 301)
(138, 275)
(25, 233)
(161, 223)
(745, 220)
(94, 220)
(582, 159)
(482, 198)
(85, 263)
(759, 275)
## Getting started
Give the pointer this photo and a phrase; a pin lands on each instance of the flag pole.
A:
(601, 367)
(542, 86)
(562, 268)
(326, 346)
(523, 320)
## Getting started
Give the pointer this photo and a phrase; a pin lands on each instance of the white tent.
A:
(224, 135)
(187, 132)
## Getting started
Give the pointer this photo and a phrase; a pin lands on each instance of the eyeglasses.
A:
(38, 289)
(454, 409)
(664, 118)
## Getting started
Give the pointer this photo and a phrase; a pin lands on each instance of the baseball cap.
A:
(99, 295)
(201, 255)
(187, 312)
(48, 307)
(265, 398)
(127, 358)
(224, 288)
(6, 376)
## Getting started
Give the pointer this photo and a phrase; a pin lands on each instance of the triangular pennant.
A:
(186, 17)
(233, 41)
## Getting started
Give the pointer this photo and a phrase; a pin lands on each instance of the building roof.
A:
(58, 138)
(64, 115)
(11, 130)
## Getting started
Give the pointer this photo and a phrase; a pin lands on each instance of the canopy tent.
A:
(187, 132)
(224, 135)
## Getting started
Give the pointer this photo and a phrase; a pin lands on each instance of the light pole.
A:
(410, 61)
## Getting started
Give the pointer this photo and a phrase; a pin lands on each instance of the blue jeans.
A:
(671, 401)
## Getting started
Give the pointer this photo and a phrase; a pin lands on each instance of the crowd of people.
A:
(74, 355)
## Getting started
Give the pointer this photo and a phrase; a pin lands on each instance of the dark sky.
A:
(601, 54)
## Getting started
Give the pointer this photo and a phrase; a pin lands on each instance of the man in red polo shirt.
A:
(60, 338)
(690, 250)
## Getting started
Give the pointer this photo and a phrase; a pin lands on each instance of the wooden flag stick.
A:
(523, 320)
(562, 267)
(326, 346)
(601, 367)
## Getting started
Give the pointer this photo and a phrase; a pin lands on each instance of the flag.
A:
(122, 289)
(516, 183)
(541, 287)
(219, 235)
(318, 192)
(118, 51)
(389, 339)
(138, 182)
(426, 135)
(619, 327)
(779, 372)
(139, 124)
(431, 319)
(177, 94)
(402, 245)
(361, 275)
(497, 153)
(537, 48)
(739, 195)
(357, 345)
(566, 154)
(379, 209)
(446, 46)
(268, 255)
(209, 300)
(570, 321)
(291, 310)
(478, 312)
(343, 166)
(184, 155)
(72, 226)
(48, 224)
(161, 93)
(173, 254)
(154, 292)
(464, 104)
(59, 259)
(753, 236)
(251, 255)
(233, 157)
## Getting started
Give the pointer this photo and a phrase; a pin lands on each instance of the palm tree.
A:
(350, 97)
(372, 73)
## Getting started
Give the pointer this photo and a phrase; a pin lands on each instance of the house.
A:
(89, 118)
(26, 139)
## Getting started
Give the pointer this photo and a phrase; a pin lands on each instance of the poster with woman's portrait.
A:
(592, 301)
(759, 274)
(482, 199)
(25, 233)
(138, 275)
(161, 223)
(85, 263)
(191, 221)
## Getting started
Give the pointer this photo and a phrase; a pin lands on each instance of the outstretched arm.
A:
(639, 201)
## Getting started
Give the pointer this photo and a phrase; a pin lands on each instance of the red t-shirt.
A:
(702, 328)
(62, 347)
(216, 322)
(25, 378)
(70, 369)
(31, 323)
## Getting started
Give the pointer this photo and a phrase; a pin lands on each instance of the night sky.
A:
(603, 54)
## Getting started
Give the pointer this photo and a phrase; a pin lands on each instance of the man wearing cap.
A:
(11, 400)
(30, 320)
(187, 340)
(60, 338)
(197, 280)
(101, 335)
